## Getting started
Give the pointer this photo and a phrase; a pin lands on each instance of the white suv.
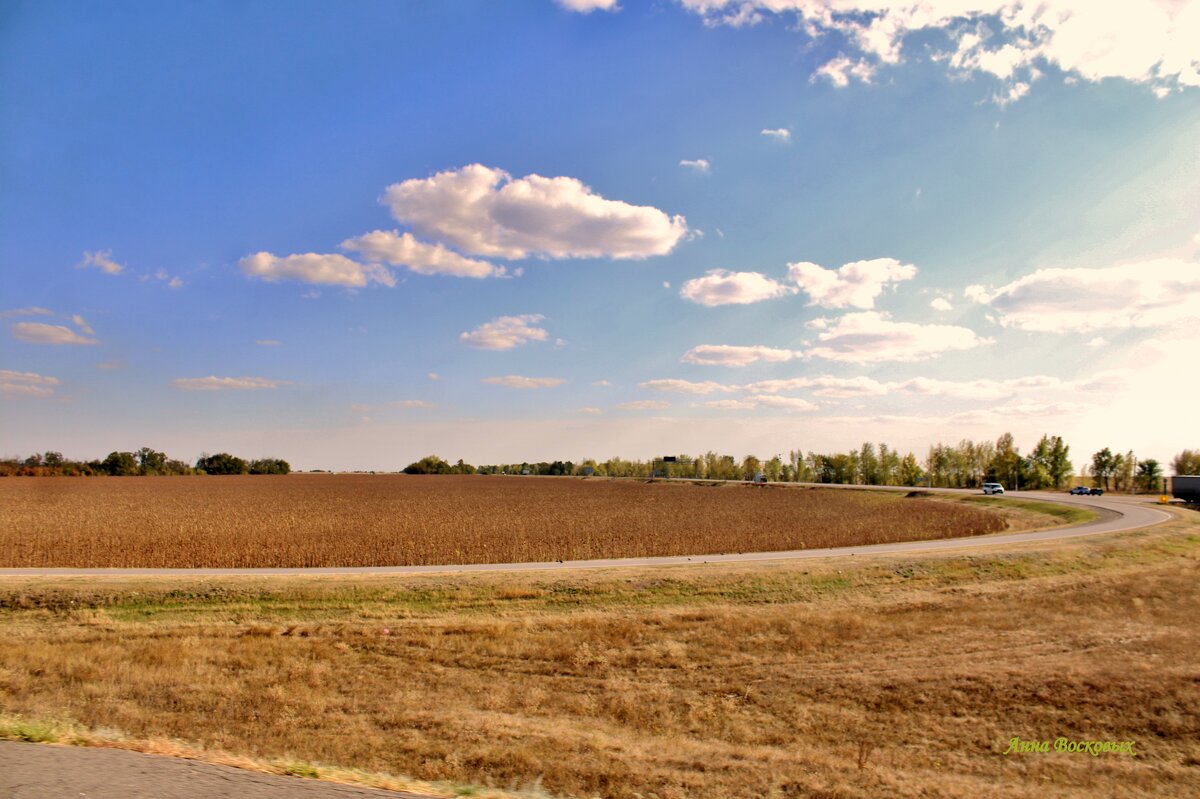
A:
(993, 488)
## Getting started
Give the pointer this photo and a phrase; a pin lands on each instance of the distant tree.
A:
(270, 466)
(1186, 462)
(1149, 475)
(120, 464)
(151, 461)
(430, 464)
(53, 459)
(909, 473)
(222, 463)
(1103, 465)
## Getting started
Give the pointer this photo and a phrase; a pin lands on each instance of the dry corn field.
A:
(386, 520)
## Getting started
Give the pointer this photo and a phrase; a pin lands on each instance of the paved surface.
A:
(43, 771)
(1117, 514)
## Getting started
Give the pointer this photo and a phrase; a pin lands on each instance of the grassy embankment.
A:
(857, 677)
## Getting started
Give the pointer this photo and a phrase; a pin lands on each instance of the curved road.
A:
(1123, 513)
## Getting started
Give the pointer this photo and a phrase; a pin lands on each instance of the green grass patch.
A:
(1065, 514)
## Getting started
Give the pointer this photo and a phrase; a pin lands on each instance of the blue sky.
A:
(353, 234)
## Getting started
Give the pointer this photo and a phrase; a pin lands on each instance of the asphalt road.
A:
(41, 771)
(1117, 514)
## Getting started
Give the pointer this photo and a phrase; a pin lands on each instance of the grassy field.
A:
(850, 678)
(363, 520)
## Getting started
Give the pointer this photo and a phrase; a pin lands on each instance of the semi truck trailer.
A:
(1186, 487)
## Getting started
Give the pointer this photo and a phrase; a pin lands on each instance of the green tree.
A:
(1149, 475)
(430, 464)
(222, 463)
(1186, 462)
(1103, 465)
(270, 466)
(120, 464)
(909, 473)
(151, 461)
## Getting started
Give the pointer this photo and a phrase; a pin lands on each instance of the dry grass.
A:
(853, 679)
(361, 520)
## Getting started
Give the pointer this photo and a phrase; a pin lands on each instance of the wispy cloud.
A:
(213, 383)
(853, 285)
(723, 287)
(643, 405)
(40, 333)
(519, 381)
(778, 134)
(315, 268)
(588, 6)
(102, 260)
(686, 386)
(697, 165)
(872, 337)
(31, 311)
(736, 356)
(26, 384)
(403, 249)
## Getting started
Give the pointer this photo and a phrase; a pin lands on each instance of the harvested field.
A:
(850, 679)
(392, 520)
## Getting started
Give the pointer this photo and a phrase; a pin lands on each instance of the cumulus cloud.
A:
(870, 337)
(778, 134)
(644, 405)
(316, 269)
(722, 287)
(588, 6)
(40, 333)
(941, 304)
(1143, 41)
(699, 164)
(518, 381)
(486, 211)
(505, 332)
(403, 249)
(213, 383)
(102, 260)
(26, 384)
(1147, 294)
(853, 285)
(732, 355)
(686, 386)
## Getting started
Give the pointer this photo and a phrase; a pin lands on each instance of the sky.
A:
(353, 234)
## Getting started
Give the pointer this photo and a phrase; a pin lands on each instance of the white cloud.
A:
(32, 311)
(213, 383)
(315, 268)
(590, 411)
(1148, 294)
(164, 276)
(1143, 41)
(413, 403)
(403, 249)
(588, 6)
(823, 386)
(505, 332)
(941, 304)
(778, 134)
(722, 287)
(40, 333)
(870, 336)
(644, 405)
(757, 401)
(517, 381)
(853, 285)
(686, 386)
(840, 70)
(433, 376)
(102, 260)
(732, 355)
(1097, 341)
(486, 211)
(82, 324)
(699, 164)
(28, 384)
(601, 383)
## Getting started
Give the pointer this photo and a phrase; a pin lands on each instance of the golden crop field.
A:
(382, 520)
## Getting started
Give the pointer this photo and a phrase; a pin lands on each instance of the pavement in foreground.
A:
(41, 771)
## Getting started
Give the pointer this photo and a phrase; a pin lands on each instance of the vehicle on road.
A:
(993, 488)
(1186, 487)
(1079, 490)
(1095, 492)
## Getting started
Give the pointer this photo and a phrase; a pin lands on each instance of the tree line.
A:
(144, 462)
(967, 464)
